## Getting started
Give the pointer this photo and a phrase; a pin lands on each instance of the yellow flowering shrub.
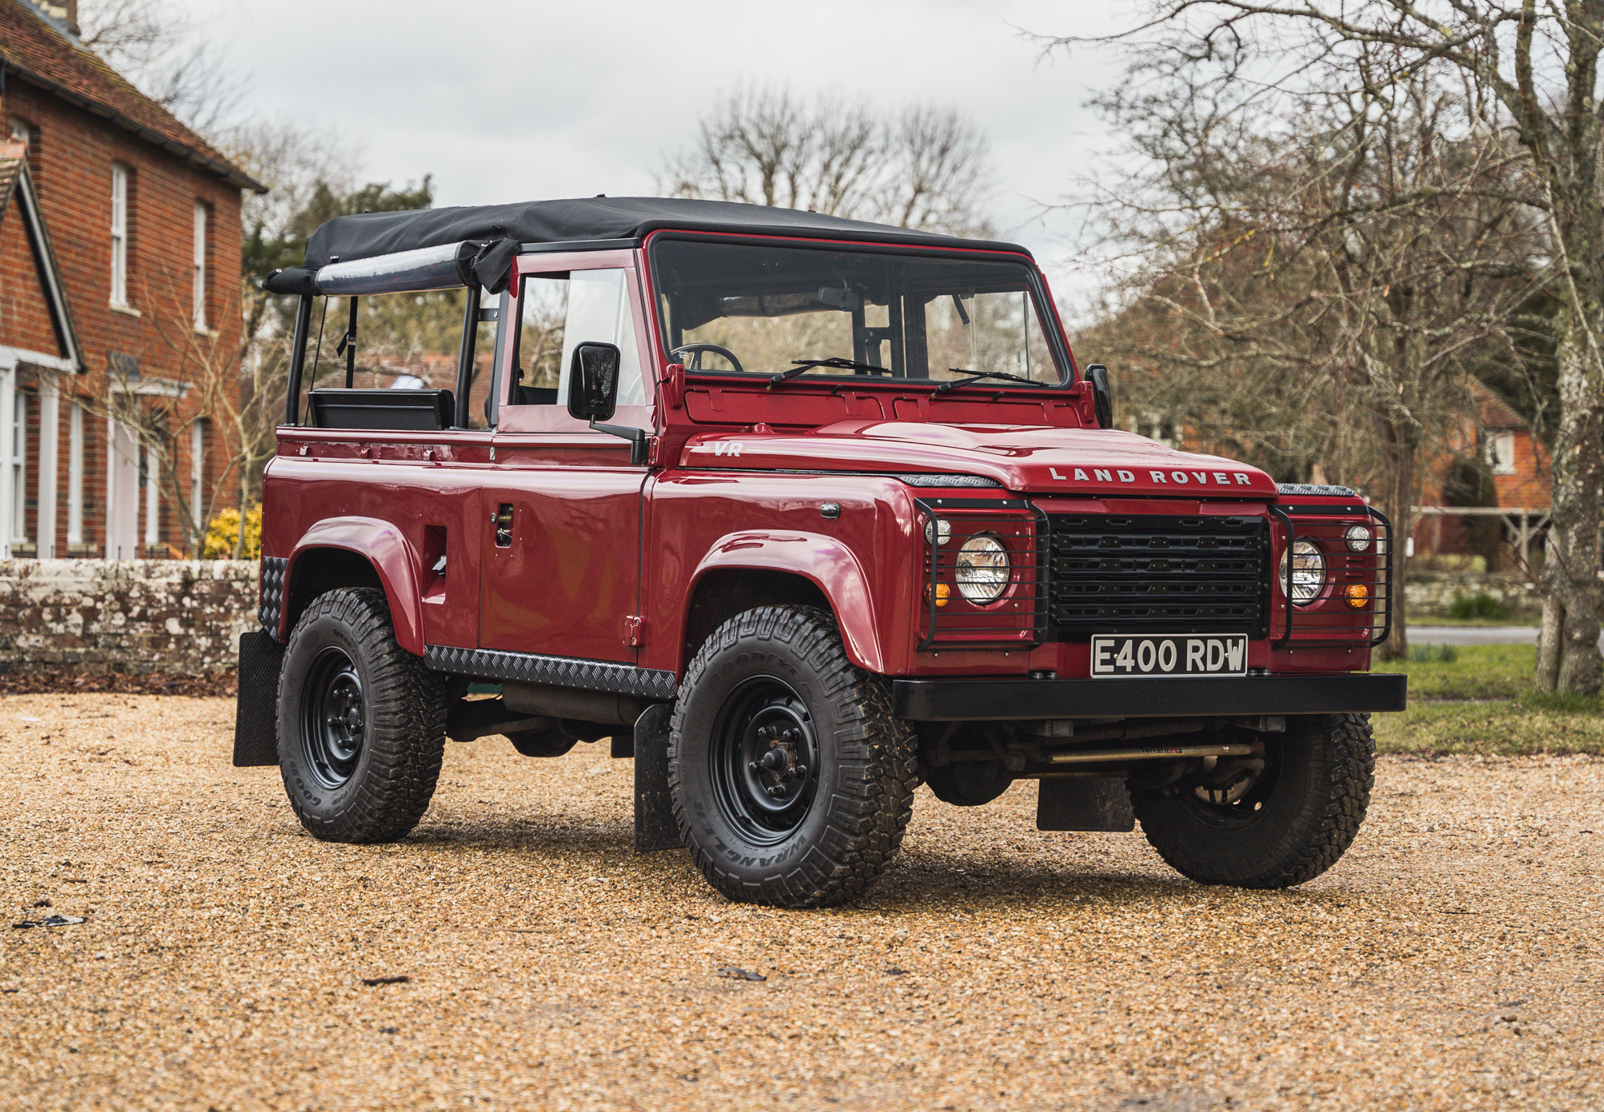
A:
(224, 528)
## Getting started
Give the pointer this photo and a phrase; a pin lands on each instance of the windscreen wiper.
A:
(976, 376)
(835, 362)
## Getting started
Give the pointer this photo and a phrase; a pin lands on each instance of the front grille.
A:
(1155, 573)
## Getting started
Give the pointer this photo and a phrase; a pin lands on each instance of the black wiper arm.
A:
(976, 376)
(834, 362)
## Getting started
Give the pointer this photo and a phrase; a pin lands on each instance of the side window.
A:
(560, 312)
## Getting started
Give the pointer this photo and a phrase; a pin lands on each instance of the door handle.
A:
(502, 520)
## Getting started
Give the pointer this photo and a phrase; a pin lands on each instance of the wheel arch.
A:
(749, 569)
(356, 552)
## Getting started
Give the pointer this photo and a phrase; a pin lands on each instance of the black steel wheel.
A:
(791, 782)
(361, 723)
(1272, 823)
(333, 718)
(763, 760)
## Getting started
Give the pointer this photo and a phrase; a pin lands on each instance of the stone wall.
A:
(1432, 593)
(186, 615)
(125, 616)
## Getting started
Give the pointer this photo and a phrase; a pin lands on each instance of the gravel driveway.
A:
(1452, 960)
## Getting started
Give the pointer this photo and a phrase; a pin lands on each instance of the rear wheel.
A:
(361, 723)
(791, 781)
(1269, 827)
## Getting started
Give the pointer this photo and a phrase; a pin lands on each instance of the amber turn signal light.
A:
(1357, 595)
(943, 593)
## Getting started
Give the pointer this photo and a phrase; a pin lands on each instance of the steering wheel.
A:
(697, 349)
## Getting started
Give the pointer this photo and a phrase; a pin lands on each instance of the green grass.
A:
(1520, 721)
(1534, 724)
(1466, 671)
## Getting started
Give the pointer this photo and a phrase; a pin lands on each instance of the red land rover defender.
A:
(799, 512)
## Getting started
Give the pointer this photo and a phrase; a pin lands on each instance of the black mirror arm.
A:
(638, 442)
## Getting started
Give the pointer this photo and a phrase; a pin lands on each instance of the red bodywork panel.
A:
(604, 557)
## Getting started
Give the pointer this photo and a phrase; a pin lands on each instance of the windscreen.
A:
(766, 310)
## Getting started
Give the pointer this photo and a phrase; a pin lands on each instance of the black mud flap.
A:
(1084, 803)
(256, 708)
(655, 827)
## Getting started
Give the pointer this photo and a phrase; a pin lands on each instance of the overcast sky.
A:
(521, 100)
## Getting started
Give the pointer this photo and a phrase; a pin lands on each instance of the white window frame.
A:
(202, 215)
(119, 235)
(1494, 461)
(153, 482)
(197, 475)
(75, 474)
(17, 527)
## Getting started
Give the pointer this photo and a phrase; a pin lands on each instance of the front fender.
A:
(826, 562)
(383, 546)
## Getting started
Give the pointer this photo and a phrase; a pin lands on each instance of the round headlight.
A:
(982, 569)
(938, 531)
(1358, 537)
(1308, 572)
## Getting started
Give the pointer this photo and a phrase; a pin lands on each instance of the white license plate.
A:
(1223, 654)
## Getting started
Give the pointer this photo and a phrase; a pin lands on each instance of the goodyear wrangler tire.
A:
(792, 783)
(361, 723)
(1287, 826)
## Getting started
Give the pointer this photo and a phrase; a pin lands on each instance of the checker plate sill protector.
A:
(561, 671)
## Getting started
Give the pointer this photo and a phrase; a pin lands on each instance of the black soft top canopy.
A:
(497, 232)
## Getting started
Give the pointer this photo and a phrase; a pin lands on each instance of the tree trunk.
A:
(1568, 656)
(1401, 444)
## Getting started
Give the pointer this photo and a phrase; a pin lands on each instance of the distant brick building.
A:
(1512, 510)
(119, 279)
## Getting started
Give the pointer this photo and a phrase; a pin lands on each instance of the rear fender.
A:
(381, 544)
(822, 560)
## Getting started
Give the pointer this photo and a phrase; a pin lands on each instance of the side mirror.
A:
(1102, 395)
(593, 382)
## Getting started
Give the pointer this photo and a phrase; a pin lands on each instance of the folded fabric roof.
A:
(501, 229)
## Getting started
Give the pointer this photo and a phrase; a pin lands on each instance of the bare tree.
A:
(158, 47)
(1531, 70)
(921, 166)
(1313, 289)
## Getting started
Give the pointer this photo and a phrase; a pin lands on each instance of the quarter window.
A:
(560, 312)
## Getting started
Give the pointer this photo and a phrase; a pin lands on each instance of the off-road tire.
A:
(1324, 769)
(849, 827)
(392, 773)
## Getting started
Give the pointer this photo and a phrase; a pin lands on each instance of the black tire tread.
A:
(869, 827)
(406, 725)
(1330, 821)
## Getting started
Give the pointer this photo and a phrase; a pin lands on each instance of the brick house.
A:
(1516, 506)
(119, 292)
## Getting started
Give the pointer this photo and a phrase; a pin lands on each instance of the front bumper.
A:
(1142, 697)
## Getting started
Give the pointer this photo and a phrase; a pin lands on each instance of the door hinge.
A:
(634, 630)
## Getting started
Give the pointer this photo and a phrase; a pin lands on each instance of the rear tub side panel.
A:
(397, 514)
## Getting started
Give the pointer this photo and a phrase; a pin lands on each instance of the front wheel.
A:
(1272, 826)
(792, 783)
(361, 723)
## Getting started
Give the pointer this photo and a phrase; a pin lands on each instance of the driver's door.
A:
(561, 568)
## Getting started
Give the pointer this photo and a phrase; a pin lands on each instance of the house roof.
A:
(1493, 412)
(16, 184)
(38, 50)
